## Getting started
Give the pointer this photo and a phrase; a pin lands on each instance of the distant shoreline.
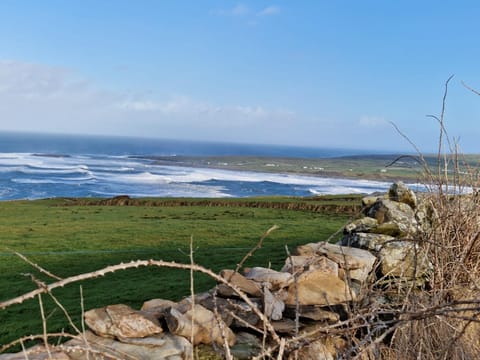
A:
(357, 167)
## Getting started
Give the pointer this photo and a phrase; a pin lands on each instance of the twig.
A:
(36, 266)
(471, 89)
(82, 309)
(256, 247)
(136, 264)
(36, 337)
(416, 158)
(281, 350)
(24, 351)
(295, 284)
(44, 326)
(65, 312)
(192, 293)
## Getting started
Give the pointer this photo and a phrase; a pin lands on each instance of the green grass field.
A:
(73, 239)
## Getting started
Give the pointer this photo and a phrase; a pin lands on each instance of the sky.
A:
(306, 73)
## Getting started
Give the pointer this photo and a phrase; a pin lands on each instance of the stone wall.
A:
(318, 288)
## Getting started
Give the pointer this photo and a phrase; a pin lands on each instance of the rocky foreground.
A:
(301, 310)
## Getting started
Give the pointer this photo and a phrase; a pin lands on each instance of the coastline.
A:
(365, 167)
(41, 175)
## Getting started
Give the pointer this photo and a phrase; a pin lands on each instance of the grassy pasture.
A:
(74, 239)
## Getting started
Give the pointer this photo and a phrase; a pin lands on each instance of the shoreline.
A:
(42, 176)
(371, 168)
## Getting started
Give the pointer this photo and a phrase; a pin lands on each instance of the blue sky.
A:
(310, 73)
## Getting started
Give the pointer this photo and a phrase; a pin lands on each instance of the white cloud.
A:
(34, 80)
(269, 10)
(185, 110)
(237, 10)
(242, 10)
(372, 121)
(35, 97)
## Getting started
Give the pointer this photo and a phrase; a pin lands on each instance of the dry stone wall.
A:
(315, 288)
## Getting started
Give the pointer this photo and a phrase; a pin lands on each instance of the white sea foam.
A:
(198, 175)
(53, 180)
(138, 178)
(187, 190)
(113, 175)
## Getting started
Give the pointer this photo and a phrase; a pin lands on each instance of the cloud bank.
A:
(40, 98)
(35, 97)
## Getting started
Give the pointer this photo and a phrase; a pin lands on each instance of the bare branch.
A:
(256, 247)
(471, 89)
(38, 267)
(137, 264)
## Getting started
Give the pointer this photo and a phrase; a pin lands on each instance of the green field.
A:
(69, 237)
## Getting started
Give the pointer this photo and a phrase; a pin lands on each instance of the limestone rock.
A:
(309, 262)
(425, 214)
(404, 259)
(373, 242)
(206, 328)
(38, 352)
(357, 262)
(157, 307)
(273, 306)
(401, 193)
(392, 228)
(121, 321)
(368, 201)
(365, 224)
(316, 287)
(248, 286)
(277, 279)
(399, 213)
(164, 346)
(227, 307)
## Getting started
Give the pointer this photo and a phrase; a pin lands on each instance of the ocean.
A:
(34, 166)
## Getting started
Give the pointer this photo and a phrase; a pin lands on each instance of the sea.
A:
(35, 166)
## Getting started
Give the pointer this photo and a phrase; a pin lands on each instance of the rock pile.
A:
(314, 288)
